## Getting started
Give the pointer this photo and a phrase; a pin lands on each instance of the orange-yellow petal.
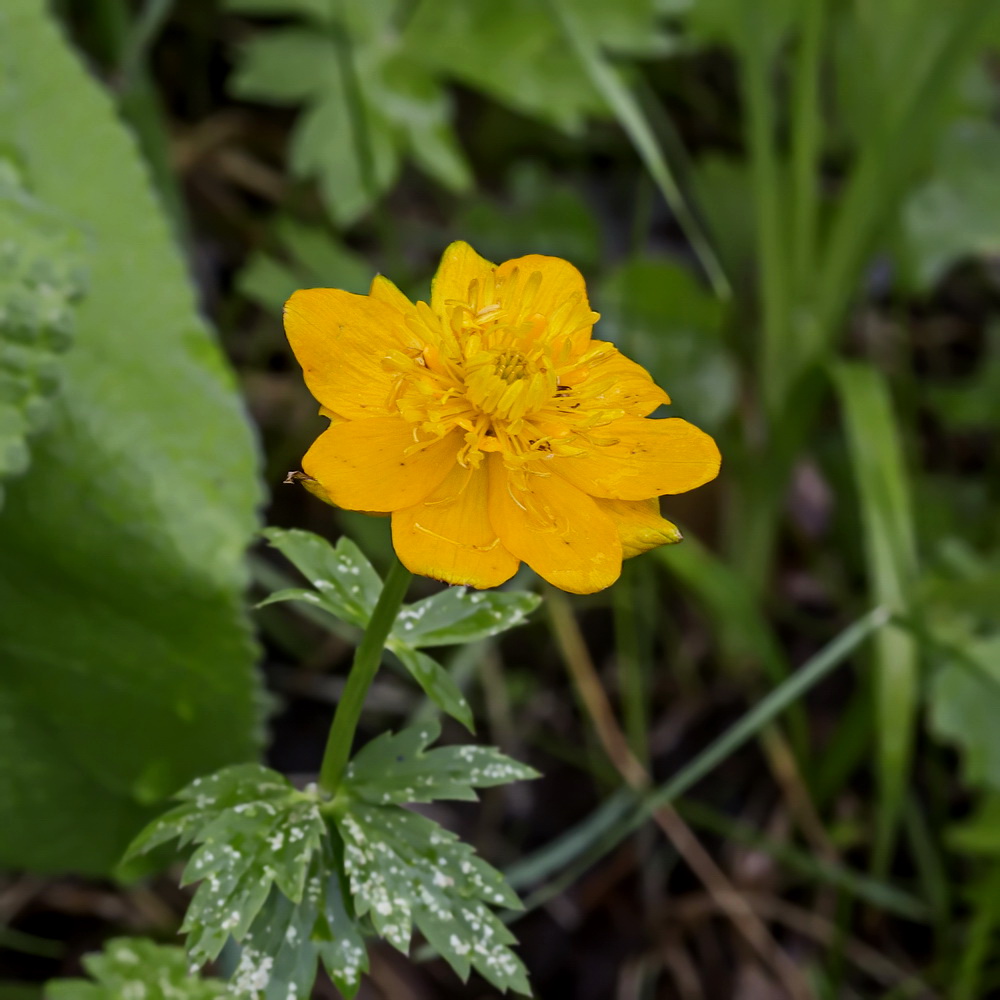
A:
(340, 340)
(334, 418)
(460, 266)
(647, 458)
(624, 384)
(640, 526)
(368, 465)
(383, 290)
(448, 535)
(550, 287)
(558, 530)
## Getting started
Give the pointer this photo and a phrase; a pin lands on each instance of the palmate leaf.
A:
(455, 617)
(294, 877)
(287, 940)
(254, 830)
(406, 871)
(267, 879)
(436, 683)
(516, 53)
(345, 584)
(398, 768)
(137, 968)
(368, 100)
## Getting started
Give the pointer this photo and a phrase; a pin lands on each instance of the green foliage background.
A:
(787, 211)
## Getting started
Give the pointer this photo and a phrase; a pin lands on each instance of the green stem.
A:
(363, 670)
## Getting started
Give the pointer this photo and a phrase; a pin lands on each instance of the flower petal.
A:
(559, 293)
(629, 386)
(460, 266)
(364, 465)
(448, 535)
(340, 339)
(640, 526)
(383, 290)
(558, 530)
(648, 458)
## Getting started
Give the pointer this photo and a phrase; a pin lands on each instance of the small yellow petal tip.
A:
(312, 485)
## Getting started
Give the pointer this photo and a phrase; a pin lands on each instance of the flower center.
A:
(510, 365)
(506, 384)
(498, 375)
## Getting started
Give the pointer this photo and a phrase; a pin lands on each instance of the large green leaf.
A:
(40, 278)
(126, 658)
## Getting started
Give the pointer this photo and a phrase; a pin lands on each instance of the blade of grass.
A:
(628, 111)
(576, 843)
(777, 360)
(806, 144)
(875, 892)
(766, 710)
(979, 940)
(749, 725)
(930, 864)
(890, 550)
(141, 34)
(877, 185)
(848, 749)
(719, 888)
(632, 647)
(620, 815)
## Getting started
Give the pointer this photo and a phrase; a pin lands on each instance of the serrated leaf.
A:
(345, 582)
(516, 53)
(133, 968)
(41, 277)
(455, 616)
(956, 213)
(405, 870)
(319, 10)
(368, 101)
(149, 457)
(284, 66)
(269, 880)
(398, 768)
(255, 832)
(347, 587)
(964, 703)
(325, 145)
(435, 682)
(341, 945)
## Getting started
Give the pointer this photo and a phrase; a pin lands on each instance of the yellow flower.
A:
(491, 425)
